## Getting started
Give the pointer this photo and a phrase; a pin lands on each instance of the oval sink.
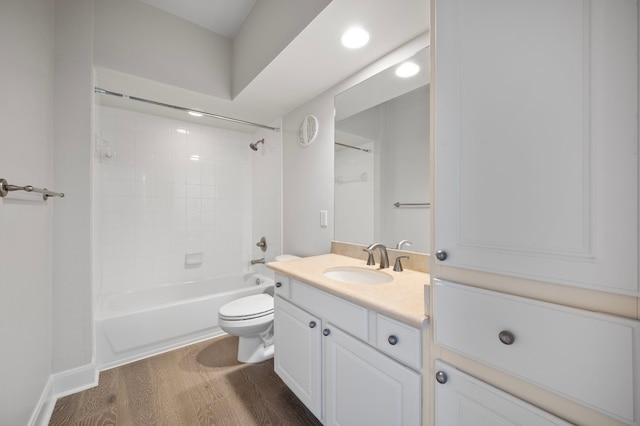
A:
(355, 275)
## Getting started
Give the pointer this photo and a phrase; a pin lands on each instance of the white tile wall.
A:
(165, 193)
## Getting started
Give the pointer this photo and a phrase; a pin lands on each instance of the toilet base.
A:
(253, 350)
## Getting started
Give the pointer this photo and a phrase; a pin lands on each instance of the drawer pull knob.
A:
(312, 324)
(326, 332)
(441, 255)
(506, 337)
(393, 340)
(278, 284)
(441, 377)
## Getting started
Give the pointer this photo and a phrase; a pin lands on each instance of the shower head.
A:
(254, 146)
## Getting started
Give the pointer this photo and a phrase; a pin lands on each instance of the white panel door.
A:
(536, 127)
(461, 400)
(364, 387)
(297, 358)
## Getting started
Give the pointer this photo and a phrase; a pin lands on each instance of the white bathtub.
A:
(134, 325)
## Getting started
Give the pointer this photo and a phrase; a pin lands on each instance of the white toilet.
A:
(251, 319)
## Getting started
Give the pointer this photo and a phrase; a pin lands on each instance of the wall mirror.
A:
(382, 158)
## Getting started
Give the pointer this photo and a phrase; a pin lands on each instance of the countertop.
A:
(401, 299)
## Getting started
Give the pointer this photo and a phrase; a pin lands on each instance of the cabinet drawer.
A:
(346, 315)
(282, 286)
(399, 340)
(464, 400)
(587, 357)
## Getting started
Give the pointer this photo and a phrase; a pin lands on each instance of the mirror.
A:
(382, 159)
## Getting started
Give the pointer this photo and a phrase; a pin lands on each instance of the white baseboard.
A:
(75, 380)
(59, 385)
(42, 413)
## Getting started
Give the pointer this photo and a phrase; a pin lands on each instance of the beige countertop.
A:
(401, 299)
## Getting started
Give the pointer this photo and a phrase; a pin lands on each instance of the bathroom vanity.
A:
(351, 352)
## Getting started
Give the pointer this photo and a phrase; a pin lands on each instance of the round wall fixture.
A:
(308, 130)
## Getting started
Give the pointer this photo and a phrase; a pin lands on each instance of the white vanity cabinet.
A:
(461, 400)
(327, 351)
(590, 358)
(297, 356)
(365, 387)
(536, 131)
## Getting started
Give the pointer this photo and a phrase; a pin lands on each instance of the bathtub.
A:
(138, 324)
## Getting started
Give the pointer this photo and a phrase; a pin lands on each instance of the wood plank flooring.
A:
(201, 384)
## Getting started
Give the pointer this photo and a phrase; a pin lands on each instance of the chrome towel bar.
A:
(5, 188)
(399, 204)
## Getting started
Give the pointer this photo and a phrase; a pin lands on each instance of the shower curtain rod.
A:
(353, 147)
(179, 108)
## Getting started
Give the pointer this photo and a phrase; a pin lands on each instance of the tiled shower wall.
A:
(164, 189)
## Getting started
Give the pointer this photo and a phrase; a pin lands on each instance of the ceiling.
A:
(313, 62)
(224, 17)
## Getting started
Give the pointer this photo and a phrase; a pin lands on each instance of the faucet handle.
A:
(370, 260)
(398, 265)
(403, 243)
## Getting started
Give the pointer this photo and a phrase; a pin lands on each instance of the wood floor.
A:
(202, 384)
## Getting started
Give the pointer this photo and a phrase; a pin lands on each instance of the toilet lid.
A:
(248, 307)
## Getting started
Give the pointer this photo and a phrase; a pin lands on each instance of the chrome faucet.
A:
(384, 258)
(403, 243)
(254, 261)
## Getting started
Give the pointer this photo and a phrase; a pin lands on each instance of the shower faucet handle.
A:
(262, 244)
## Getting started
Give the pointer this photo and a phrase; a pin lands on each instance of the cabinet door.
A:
(365, 387)
(461, 400)
(297, 353)
(536, 106)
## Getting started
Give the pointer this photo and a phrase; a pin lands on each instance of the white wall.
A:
(26, 108)
(73, 83)
(281, 20)
(164, 194)
(138, 39)
(308, 181)
(308, 172)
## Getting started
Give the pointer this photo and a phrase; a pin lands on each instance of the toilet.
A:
(251, 319)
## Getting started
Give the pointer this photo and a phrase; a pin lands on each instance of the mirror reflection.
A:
(382, 158)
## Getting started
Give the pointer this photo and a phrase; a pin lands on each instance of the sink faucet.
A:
(384, 259)
(403, 243)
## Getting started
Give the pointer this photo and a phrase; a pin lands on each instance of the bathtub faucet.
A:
(254, 261)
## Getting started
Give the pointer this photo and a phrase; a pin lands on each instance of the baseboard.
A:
(59, 385)
(43, 410)
(75, 380)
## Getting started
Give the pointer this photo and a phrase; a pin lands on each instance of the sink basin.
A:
(355, 275)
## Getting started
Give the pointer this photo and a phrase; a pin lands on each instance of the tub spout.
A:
(254, 261)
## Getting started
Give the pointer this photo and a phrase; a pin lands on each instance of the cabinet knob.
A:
(326, 332)
(441, 377)
(393, 340)
(506, 337)
(278, 284)
(441, 255)
(312, 324)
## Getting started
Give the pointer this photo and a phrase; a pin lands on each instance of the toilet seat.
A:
(247, 308)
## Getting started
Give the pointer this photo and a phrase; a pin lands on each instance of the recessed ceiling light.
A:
(182, 131)
(354, 38)
(195, 113)
(407, 69)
